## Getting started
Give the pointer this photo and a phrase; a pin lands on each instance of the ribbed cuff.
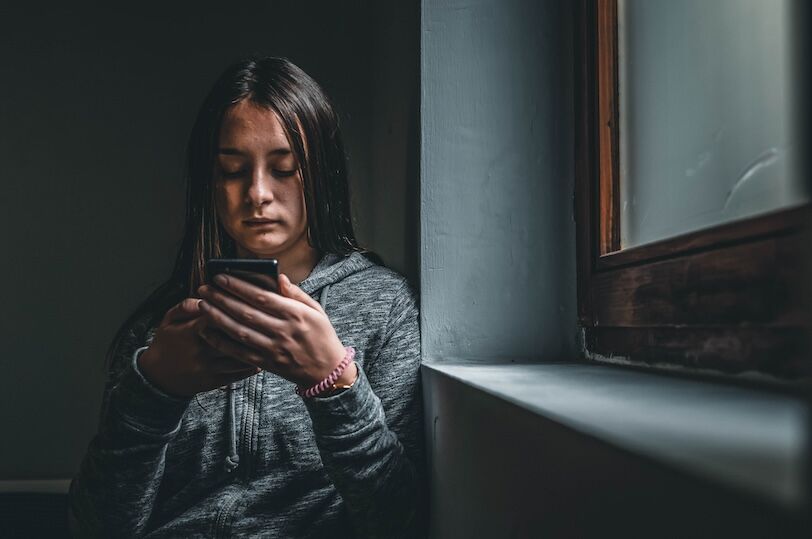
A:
(347, 411)
(144, 406)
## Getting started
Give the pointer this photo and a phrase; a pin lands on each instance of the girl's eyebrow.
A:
(235, 151)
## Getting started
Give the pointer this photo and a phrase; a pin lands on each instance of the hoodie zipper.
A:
(247, 448)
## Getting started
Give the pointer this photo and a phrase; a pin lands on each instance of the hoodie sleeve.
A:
(370, 436)
(113, 494)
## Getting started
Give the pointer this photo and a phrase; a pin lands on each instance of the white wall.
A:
(497, 230)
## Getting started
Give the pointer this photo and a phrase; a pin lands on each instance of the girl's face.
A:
(258, 186)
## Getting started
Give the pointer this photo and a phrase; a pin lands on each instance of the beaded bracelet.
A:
(328, 382)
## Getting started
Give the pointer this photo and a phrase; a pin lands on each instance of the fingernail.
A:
(203, 305)
(221, 279)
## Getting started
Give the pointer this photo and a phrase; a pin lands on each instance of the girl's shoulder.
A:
(380, 279)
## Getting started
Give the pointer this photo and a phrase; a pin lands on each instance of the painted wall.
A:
(497, 230)
(95, 109)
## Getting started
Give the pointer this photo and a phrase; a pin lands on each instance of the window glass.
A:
(706, 114)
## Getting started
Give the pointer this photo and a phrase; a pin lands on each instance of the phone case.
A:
(263, 273)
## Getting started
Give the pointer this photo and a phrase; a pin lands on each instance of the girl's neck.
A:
(298, 269)
(297, 265)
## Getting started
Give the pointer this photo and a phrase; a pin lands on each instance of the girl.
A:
(319, 431)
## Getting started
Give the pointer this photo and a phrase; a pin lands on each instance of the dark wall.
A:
(95, 108)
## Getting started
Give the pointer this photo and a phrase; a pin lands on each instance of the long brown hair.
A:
(310, 122)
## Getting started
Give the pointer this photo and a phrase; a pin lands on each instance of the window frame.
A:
(732, 298)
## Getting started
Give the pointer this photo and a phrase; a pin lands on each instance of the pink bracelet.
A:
(328, 382)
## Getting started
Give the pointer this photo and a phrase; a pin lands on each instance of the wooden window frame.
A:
(731, 298)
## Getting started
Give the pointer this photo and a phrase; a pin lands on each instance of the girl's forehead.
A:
(249, 124)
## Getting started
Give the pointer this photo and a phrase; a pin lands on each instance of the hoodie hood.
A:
(331, 269)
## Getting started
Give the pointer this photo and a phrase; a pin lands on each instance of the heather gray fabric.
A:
(349, 465)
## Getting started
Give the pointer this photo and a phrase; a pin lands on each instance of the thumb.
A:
(185, 310)
(290, 290)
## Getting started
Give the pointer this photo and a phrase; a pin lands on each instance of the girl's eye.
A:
(235, 174)
(242, 173)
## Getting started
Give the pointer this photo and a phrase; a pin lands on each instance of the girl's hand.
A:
(287, 333)
(180, 363)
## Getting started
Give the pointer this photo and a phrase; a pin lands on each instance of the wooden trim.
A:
(608, 126)
(744, 230)
(756, 283)
(781, 352)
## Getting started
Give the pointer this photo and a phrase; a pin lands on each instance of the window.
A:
(684, 116)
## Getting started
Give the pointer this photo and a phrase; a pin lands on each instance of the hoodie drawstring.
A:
(233, 459)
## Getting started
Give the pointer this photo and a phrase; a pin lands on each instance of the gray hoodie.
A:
(258, 460)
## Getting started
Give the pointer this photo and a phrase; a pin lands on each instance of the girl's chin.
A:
(267, 245)
(261, 249)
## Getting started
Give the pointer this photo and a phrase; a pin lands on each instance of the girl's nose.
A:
(259, 191)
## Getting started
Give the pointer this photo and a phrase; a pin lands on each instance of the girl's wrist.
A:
(342, 385)
(148, 363)
(349, 376)
(340, 375)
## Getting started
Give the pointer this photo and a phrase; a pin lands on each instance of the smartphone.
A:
(263, 272)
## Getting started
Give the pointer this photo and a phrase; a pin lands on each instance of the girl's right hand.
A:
(180, 363)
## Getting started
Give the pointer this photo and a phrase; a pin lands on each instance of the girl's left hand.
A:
(287, 333)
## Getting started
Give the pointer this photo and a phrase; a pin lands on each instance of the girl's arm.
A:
(114, 492)
(370, 436)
